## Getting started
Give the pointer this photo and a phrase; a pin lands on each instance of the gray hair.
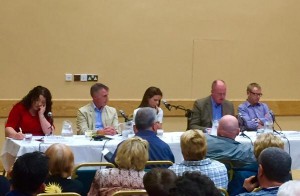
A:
(145, 117)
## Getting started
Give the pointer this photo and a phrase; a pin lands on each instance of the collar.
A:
(145, 133)
(97, 109)
(202, 162)
(249, 105)
(213, 103)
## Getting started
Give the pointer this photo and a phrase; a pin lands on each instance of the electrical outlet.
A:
(92, 77)
(83, 77)
(68, 77)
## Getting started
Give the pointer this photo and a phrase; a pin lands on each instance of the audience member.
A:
(274, 170)
(159, 181)
(266, 140)
(146, 127)
(211, 108)
(262, 142)
(254, 113)
(97, 116)
(194, 183)
(223, 147)
(131, 159)
(31, 115)
(289, 188)
(28, 174)
(4, 186)
(151, 98)
(193, 148)
(61, 162)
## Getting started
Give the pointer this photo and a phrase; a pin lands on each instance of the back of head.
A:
(193, 145)
(228, 127)
(96, 87)
(290, 188)
(149, 93)
(132, 154)
(266, 140)
(159, 181)
(29, 172)
(276, 164)
(194, 183)
(61, 160)
(144, 118)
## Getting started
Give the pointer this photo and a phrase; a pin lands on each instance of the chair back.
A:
(130, 192)
(86, 176)
(57, 194)
(160, 163)
(223, 192)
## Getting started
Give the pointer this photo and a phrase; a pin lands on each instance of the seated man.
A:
(224, 148)
(194, 183)
(254, 113)
(97, 116)
(146, 128)
(211, 108)
(193, 148)
(159, 181)
(274, 170)
(28, 174)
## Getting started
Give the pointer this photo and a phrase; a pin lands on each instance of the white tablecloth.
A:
(90, 151)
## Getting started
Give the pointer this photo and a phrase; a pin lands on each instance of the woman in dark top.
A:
(61, 162)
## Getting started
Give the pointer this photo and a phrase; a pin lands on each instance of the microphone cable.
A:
(283, 136)
(245, 135)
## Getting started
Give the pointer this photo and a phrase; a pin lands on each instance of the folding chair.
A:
(57, 194)
(130, 192)
(223, 192)
(86, 176)
(160, 163)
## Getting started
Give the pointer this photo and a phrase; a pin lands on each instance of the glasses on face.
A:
(256, 94)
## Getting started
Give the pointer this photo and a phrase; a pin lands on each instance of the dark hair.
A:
(96, 87)
(149, 93)
(34, 94)
(159, 181)
(276, 164)
(194, 183)
(144, 118)
(29, 172)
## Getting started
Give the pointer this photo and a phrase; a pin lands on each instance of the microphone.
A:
(167, 105)
(242, 123)
(274, 121)
(50, 116)
(124, 115)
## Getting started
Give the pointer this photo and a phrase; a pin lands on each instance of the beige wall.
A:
(179, 46)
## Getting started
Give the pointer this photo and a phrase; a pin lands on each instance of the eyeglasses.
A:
(257, 94)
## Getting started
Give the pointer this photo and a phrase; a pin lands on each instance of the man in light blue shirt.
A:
(254, 113)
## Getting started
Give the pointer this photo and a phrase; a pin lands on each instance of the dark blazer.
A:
(202, 113)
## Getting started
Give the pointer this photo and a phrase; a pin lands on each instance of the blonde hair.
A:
(193, 145)
(133, 153)
(61, 160)
(266, 140)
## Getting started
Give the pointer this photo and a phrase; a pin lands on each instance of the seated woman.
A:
(31, 115)
(61, 162)
(152, 98)
(131, 159)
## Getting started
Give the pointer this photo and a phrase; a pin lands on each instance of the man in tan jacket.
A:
(97, 116)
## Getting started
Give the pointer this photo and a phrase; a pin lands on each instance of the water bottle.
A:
(67, 130)
(214, 127)
(268, 127)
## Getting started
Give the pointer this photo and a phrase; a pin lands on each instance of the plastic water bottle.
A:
(268, 127)
(214, 127)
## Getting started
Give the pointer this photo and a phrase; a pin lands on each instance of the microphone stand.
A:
(188, 113)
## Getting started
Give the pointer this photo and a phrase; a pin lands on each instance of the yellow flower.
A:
(53, 188)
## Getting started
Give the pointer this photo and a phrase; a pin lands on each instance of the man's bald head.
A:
(228, 127)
